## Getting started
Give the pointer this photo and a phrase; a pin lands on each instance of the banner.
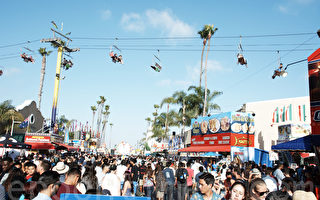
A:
(314, 90)
(229, 122)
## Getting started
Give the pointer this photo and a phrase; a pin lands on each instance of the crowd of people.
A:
(46, 177)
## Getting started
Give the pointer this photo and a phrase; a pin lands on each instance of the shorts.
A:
(160, 194)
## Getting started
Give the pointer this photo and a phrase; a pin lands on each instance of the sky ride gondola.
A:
(115, 54)
(157, 62)
(280, 71)
(241, 59)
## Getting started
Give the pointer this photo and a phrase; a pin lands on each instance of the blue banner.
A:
(98, 197)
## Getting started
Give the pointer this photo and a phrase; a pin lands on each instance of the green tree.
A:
(44, 53)
(168, 101)
(7, 114)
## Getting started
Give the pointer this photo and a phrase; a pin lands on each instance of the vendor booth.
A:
(225, 132)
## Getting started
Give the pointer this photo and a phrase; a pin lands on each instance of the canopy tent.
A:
(60, 146)
(300, 144)
(225, 148)
(211, 154)
(8, 141)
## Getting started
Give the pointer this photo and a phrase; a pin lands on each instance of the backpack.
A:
(182, 175)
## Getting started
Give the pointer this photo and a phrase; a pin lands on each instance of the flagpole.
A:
(12, 126)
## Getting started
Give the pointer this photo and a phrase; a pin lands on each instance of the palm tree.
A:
(105, 114)
(44, 53)
(211, 32)
(100, 110)
(7, 115)
(111, 124)
(203, 35)
(168, 101)
(194, 102)
(94, 109)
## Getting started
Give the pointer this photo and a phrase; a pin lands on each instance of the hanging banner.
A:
(314, 90)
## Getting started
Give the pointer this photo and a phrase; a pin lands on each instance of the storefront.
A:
(231, 132)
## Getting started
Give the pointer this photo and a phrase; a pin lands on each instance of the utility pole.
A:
(56, 41)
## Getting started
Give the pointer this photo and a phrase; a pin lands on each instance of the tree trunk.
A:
(166, 123)
(43, 71)
(205, 78)
(204, 45)
(92, 131)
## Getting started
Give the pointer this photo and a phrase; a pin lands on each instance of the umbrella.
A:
(211, 154)
(9, 142)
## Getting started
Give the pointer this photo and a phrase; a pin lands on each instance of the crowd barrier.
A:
(98, 197)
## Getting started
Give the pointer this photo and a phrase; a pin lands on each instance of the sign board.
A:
(229, 122)
(37, 138)
(314, 90)
(244, 154)
(56, 138)
(223, 139)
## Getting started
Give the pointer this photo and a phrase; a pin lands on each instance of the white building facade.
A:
(272, 115)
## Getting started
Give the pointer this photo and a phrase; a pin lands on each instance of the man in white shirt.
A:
(272, 184)
(279, 174)
(111, 182)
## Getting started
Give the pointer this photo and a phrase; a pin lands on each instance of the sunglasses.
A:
(261, 193)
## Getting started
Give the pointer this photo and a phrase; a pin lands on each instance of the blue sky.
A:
(133, 88)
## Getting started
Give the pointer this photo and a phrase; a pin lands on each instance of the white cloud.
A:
(283, 9)
(213, 66)
(169, 25)
(132, 22)
(11, 71)
(304, 2)
(166, 82)
(106, 14)
(170, 83)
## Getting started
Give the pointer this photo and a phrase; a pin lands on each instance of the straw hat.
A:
(61, 168)
(301, 195)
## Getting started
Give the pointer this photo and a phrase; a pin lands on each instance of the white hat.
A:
(301, 195)
(61, 168)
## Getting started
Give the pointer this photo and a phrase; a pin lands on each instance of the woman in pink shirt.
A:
(189, 180)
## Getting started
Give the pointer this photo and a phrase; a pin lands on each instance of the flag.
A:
(25, 123)
(66, 137)
(299, 112)
(283, 113)
(304, 112)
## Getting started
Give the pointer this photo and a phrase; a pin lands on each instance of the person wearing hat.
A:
(254, 173)
(303, 195)
(62, 169)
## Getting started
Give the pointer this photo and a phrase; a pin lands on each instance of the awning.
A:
(206, 149)
(300, 144)
(36, 145)
(61, 146)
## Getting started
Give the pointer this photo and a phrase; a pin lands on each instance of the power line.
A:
(185, 50)
(192, 45)
(17, 44)
(266, 66)
(194, 37)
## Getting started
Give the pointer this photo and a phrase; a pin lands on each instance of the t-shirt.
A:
(64, 188)
(111, 182)
(142, 171)
(271, 183)
(134, 171)
(190, 176)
